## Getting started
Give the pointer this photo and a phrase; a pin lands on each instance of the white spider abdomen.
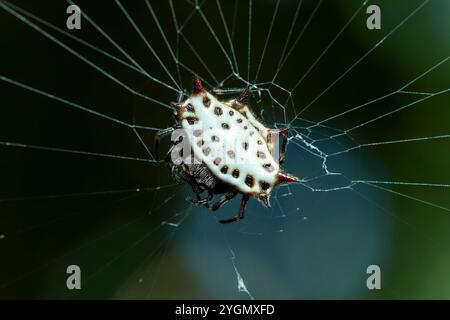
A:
(227, 142)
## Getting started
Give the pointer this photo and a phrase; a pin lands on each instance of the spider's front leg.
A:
(224, 199)
(241, 214)
(157, 140)
(225, 91)
(199, 201)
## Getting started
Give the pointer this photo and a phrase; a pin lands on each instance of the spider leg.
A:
(241, 214)
(196, 188)
(160, 134)
(205, 201)
(225, 91)
(224, 199)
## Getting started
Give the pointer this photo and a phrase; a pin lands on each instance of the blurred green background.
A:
(150, 244)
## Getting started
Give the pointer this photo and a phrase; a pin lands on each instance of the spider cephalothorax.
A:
(223, 148)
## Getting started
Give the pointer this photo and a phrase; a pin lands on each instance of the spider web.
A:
(368, 119)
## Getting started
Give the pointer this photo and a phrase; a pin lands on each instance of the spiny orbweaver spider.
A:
(219, 147)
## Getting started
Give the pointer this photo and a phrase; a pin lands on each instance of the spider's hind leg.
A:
(241, 214)
(223, 200)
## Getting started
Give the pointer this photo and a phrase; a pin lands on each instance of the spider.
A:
(231, 148)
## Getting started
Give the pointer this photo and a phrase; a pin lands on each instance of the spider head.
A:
(264, 198)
